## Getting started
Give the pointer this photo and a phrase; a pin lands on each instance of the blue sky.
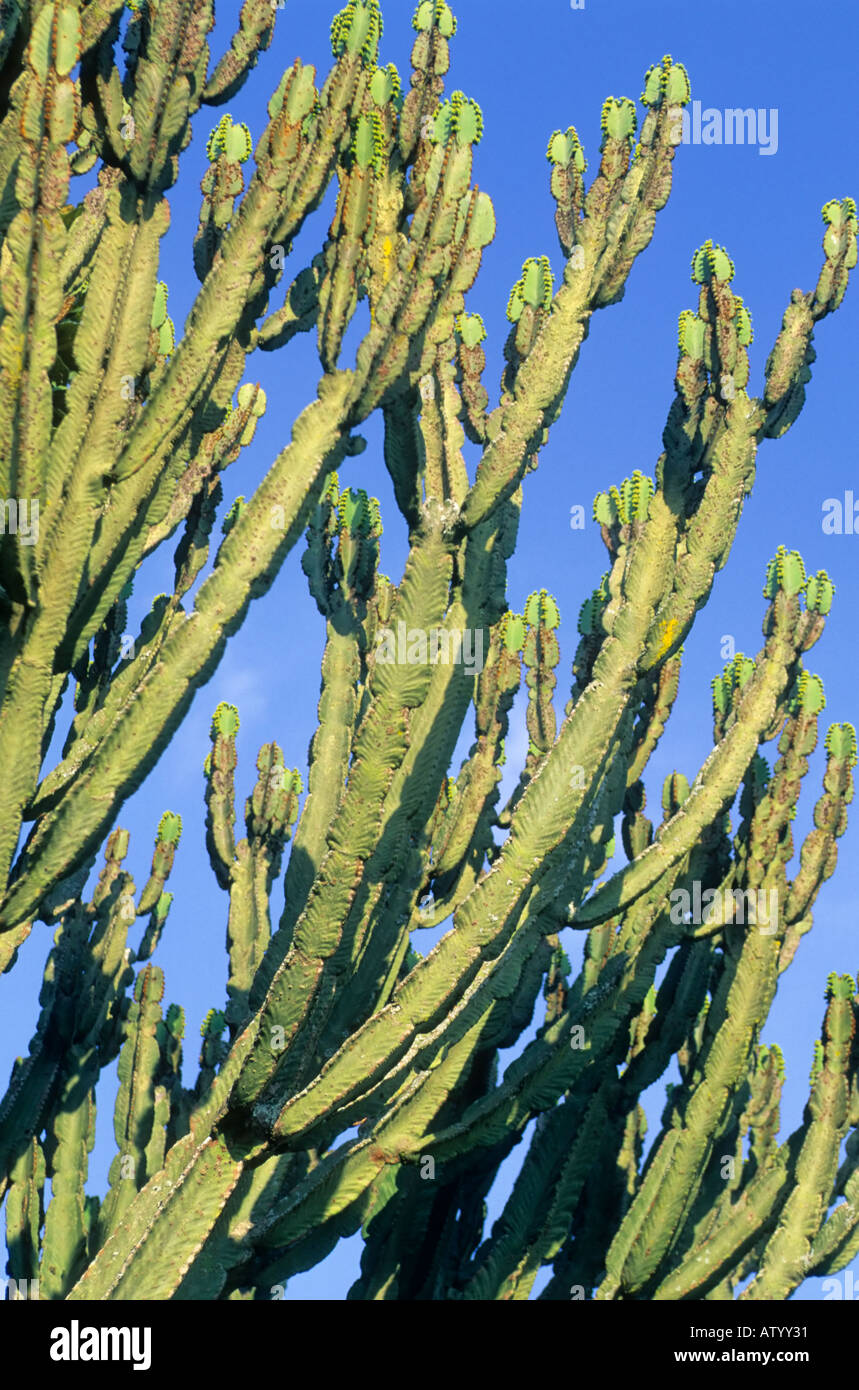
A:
(534, 69)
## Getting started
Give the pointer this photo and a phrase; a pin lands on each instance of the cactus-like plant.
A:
(333, 1019)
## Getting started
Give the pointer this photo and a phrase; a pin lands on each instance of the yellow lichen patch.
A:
(667, 630)
(387, 259)
(383, 260)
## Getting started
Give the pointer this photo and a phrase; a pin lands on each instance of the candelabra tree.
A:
(350, 1081)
